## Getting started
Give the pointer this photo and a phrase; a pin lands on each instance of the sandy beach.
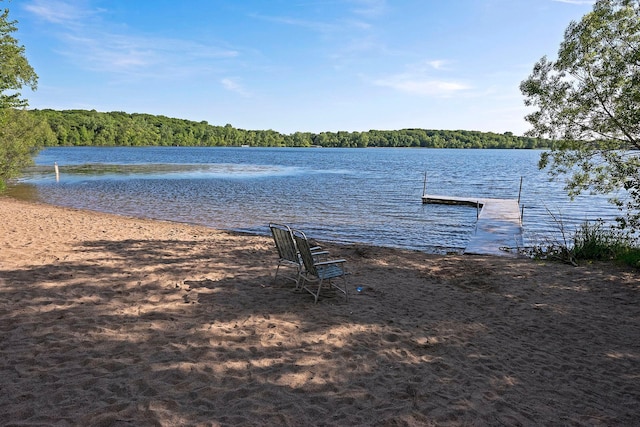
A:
(108, 320)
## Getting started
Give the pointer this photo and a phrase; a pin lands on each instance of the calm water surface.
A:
(370, 196)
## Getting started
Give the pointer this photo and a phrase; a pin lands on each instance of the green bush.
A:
(631, 257)
(592, 241)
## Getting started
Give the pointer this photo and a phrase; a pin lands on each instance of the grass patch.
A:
(592, 241)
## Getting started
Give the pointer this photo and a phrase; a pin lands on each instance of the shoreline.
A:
(110, 319)
(434, 250)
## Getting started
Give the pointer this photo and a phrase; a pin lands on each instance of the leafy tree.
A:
(17, 131)
(15, 71)
(19, 134)
(588, 100)
(90, 128)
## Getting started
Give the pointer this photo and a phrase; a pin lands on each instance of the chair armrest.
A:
(320, 254)
(333, 261)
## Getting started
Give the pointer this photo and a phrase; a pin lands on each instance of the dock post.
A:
(424, 186)
(55, 167)
(520, 191)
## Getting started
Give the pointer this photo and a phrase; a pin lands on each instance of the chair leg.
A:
(299, 279)
(317, 294)
(346, 288)
(275, 278)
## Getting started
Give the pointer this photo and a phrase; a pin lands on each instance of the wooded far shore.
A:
(93, 128)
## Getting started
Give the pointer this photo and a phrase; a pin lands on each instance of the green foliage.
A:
(631, 256)
(15, 71)
(557, 250)
(592, 241)
(589, 101)
(553, 252)
(20, 132)
(92, 128)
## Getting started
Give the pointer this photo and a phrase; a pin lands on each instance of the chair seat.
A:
(319, 271)
(330, 270)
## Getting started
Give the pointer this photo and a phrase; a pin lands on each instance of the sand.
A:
(108, 320)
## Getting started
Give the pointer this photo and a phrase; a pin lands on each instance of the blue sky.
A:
(294, 65)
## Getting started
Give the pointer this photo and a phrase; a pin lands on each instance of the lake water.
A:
(370, 196)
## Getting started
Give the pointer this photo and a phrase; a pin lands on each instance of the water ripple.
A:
(369, 196)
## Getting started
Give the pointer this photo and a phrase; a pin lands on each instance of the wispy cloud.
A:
(307, 24)
(356, 16)
(421, 79)
(92, 44)
(233, 85)
(59, 12)
(437, 64)
(342, 25)
(109, 53)
(143, 56)
(369, 8)
(421, 86)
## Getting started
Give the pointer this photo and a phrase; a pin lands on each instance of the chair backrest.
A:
(305, 251)
(283, 238)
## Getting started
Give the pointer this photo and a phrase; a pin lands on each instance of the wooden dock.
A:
(499, 225)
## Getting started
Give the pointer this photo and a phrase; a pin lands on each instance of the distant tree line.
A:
(93, 128)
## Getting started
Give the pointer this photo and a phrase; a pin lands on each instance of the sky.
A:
(294, 65)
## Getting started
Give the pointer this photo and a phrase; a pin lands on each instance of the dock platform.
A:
(499, 226)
